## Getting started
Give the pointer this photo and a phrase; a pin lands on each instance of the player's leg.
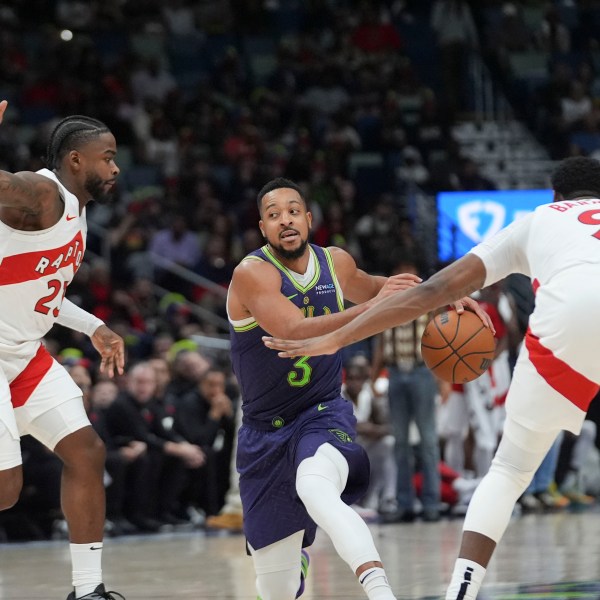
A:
(536, 413)
(11, 471)
(65, 429)
(320, 481)
(519, 455)
(278, 568)
(11, 478)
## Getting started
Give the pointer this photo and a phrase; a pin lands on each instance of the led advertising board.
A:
(467, 218)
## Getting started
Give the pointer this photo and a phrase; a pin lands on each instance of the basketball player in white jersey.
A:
(557, 373)
(42, 241)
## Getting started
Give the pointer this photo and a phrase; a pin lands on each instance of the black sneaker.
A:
(99, 593)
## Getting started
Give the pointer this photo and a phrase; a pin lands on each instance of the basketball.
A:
(457, 347)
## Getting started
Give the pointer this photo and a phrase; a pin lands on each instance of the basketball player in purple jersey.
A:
(299, 465)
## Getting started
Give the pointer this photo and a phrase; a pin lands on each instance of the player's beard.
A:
(290, 254)
(94, 186)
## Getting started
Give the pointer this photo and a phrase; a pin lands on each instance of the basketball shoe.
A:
(99, 593)
(304, 562)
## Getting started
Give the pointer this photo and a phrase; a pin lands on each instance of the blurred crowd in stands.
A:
(210, 99)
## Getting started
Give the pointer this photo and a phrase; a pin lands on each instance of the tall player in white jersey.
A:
(42, 241)
(558, 370)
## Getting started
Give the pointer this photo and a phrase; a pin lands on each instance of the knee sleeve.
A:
(520, 453)
(320, 481)
(277, 568)
(328, 463)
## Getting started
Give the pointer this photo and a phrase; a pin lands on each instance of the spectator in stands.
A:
(204, 417)
(151, 80)
(541, 493)
(215, 263)
(378, 233)
(471, 179)
(177, 244)
(456, 33)
(374, 434)
(179, 17)
(412, 170)
(163, 375)
(412, 392)
(162, 149)
(158, 480)
(161, 344)
(553, 36)
(373, 35)
(576, 106)
(327, 95)
(510, 33)
(571, 473)
(97, 399)
(188, 366)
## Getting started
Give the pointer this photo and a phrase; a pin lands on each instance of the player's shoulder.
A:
(342, 260)
(39, 179)
(254, 268)
(337, 253)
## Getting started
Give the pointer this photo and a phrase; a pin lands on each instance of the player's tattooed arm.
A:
(27, 192)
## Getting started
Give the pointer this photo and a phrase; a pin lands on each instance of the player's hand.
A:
(473, 306)
(111, 348)
(3, 106)
(397, 283)
(324, 344)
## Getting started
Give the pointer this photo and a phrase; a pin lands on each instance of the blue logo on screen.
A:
(467, 218)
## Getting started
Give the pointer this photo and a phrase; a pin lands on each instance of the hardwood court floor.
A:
(539, 558)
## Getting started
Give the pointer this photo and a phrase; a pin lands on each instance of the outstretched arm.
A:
(448, 285)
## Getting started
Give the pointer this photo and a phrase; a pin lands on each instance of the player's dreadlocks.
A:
(70, 134)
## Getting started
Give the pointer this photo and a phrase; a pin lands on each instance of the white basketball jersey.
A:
(35, 269)
(558, 246)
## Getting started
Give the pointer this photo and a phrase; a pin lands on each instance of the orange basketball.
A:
(457, 348)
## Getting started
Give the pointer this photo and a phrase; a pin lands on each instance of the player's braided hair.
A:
(275, 184)
(577, 176)
(70, 134)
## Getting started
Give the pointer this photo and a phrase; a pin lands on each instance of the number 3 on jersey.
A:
(54, 286)
(301, 375)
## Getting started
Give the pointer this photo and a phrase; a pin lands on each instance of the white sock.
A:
(376, 585)
(466, 580)
(86, 561)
